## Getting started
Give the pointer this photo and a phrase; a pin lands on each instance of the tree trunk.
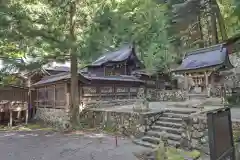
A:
(213, 22)
(201, 44)
(221, 23)
(74, 69)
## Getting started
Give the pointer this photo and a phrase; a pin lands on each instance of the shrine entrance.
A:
(198, 81)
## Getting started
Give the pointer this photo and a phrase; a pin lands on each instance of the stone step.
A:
(166, 129)
(144, 143)
(153, 140)
(170, 136)
(168, 124)
(173, 143)
(174, 115)
(169, 119)
(182, 111)
(147, 142)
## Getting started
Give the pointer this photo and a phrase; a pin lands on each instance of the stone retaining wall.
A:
(109, 103)
(56, 117)
(60, 118)
(195, 132)
(126, 123)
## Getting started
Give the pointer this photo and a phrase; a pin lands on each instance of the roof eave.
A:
(196, 69)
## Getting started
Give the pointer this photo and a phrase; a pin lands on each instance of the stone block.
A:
(195, 143)
(197, 134)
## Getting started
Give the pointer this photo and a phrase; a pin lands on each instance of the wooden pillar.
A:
(54, 95)
(207, 87)
(45, 96)
(29, 105)
(206, 78)
(185, 82)
(26, 118)
(125, 68)
(11, 118)
(37, 103)
(67, 95)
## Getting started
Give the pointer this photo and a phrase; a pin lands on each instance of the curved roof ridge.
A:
(204, 50)
(118, 55)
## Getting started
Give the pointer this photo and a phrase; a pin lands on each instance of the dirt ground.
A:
(45, 145)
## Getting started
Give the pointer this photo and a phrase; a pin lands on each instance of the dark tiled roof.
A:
(53, 78)
(117, 56)
(66, 76)
(204, 58)
(114, 78)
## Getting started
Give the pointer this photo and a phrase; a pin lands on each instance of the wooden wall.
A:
(57, 95)
(52, 96)
(11, 93)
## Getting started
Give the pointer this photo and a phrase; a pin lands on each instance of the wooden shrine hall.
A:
(201, 68)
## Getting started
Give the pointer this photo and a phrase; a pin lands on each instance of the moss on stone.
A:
(178, 154)
(172, 154)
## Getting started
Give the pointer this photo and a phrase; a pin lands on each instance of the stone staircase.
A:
(170, 122)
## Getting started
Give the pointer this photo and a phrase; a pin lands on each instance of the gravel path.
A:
(44, 146)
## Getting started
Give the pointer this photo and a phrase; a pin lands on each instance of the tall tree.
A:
(74, 62)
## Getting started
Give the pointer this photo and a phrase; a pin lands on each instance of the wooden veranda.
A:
(13, 103)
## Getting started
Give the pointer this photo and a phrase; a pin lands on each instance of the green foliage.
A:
(233, 99)
(39, 30)
(230, 10)
(42, 28)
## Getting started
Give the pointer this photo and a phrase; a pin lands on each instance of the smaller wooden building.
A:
(201, 67)
(54, 91)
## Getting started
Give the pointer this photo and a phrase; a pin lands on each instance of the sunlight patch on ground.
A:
(28, 127)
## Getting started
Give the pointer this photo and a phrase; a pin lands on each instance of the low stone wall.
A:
(109, 103)
(56, 117)
(60, 118)
(195, 132)
(126, 123)
(166, 95)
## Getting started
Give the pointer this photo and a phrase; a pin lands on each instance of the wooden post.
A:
(26, 120)
(185, 82)
(29, 107)
(67, 96)
(116, 141)
(129, 93)
(207, 87)
(37, 105)
(54, 96)
(45, 98)
(11, 118)
(125, 68)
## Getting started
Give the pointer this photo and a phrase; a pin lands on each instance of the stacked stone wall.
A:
(195, 132)
(58, 118)
(126, 123)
